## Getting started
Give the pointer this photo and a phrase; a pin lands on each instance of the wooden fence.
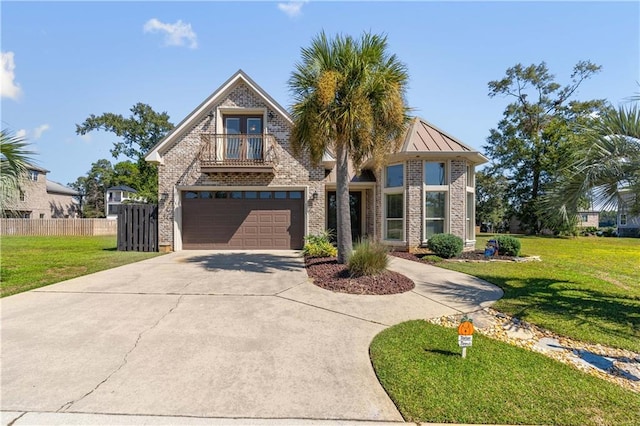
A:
(58, 227)
(138, 227)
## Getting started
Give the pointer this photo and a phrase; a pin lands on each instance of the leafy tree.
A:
(14, 161)
(139, 133)
(491, 200)
(93, 187)
(349, 98)
(539, 129)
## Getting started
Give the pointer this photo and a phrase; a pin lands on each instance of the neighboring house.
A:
(115, 197)
(588, 219)
(228, 179)
(628, 223)
(39, 198)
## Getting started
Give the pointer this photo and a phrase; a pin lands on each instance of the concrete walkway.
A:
(209, 335)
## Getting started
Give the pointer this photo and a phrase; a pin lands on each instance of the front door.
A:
(355, 203)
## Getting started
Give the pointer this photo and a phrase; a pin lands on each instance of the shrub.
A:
(445, 245)
(509, 246)
(368, 259)
(319, 245)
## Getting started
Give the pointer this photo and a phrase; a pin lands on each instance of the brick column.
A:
(413, 204)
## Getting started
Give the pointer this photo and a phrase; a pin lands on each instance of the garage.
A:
(247, 220)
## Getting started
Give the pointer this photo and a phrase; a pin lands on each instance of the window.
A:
(266, 194)
(471, 219)
(295, 195)
(394, 176)
(280, 194)
(250, 194)
(623, 219)
(21, 195)
(394, 203)
(584, 217)
(236, 195)
(470, 177)
(436, 191)
(33, 175)
(220, 194)
(434, 173)
(41, 215)
(434, 212)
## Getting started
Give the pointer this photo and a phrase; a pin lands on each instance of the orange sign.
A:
(465, 328)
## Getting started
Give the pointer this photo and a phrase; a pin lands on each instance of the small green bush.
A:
(509, 246)
(445, 245)
(319, 245)
(368, 259)
(431, 258)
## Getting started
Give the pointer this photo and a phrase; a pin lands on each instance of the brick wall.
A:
(458, 198)
(181, 166)
(413, 201)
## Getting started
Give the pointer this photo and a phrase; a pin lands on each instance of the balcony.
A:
(237, 153)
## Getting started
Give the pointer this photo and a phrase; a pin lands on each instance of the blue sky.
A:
(62, 61)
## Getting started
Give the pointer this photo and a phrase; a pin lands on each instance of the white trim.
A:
(446, 188)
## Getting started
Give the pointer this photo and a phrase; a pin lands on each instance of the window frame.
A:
(394, 190)
(623, 219)
(436, 188)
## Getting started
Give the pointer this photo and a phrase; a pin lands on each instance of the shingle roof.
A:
(59, 188)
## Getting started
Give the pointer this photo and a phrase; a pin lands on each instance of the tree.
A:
(14, 162)
(606, 169)
(491, 200)
(539, 129)
(349, 98)
(93, 187)
(139, 133)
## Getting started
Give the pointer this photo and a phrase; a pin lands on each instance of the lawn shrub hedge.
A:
(509, 246)
(445, 245)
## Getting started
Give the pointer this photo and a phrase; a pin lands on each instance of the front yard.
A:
(584, 288)
(32, 262)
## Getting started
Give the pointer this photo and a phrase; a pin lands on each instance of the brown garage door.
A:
(242, 220)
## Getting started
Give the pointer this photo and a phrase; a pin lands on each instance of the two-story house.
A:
(116, 196)
(40, 198)
(229, 179)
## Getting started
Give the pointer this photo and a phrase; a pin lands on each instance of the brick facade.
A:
(179, 170)
(38, 202)
(181, 167)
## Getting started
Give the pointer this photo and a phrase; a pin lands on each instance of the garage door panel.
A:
(246, 223)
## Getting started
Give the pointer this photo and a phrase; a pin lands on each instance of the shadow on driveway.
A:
(260, 262)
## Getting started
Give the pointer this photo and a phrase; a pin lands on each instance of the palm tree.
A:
(14, 161)
(606, 167)
(349, 99)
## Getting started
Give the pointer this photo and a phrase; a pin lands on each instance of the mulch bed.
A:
(327, 273)
(471, 256)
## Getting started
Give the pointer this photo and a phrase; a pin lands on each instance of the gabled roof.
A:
(58, 188)
(425, 138)
(202, 110)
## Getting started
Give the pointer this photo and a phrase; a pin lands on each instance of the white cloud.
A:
(86, 137)
(38, 131)
(22, 133)
(292, 9)
(8, 87)
(178, 34)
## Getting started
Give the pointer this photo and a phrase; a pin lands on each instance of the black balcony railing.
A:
(239, 152)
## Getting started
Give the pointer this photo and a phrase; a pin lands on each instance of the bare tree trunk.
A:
(343, 207)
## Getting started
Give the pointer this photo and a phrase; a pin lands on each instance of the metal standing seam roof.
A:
(425, 137)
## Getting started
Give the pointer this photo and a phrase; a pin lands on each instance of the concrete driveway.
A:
(211, 334)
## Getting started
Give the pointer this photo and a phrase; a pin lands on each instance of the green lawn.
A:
(32, 262)
(420, 367)
(585, 288)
